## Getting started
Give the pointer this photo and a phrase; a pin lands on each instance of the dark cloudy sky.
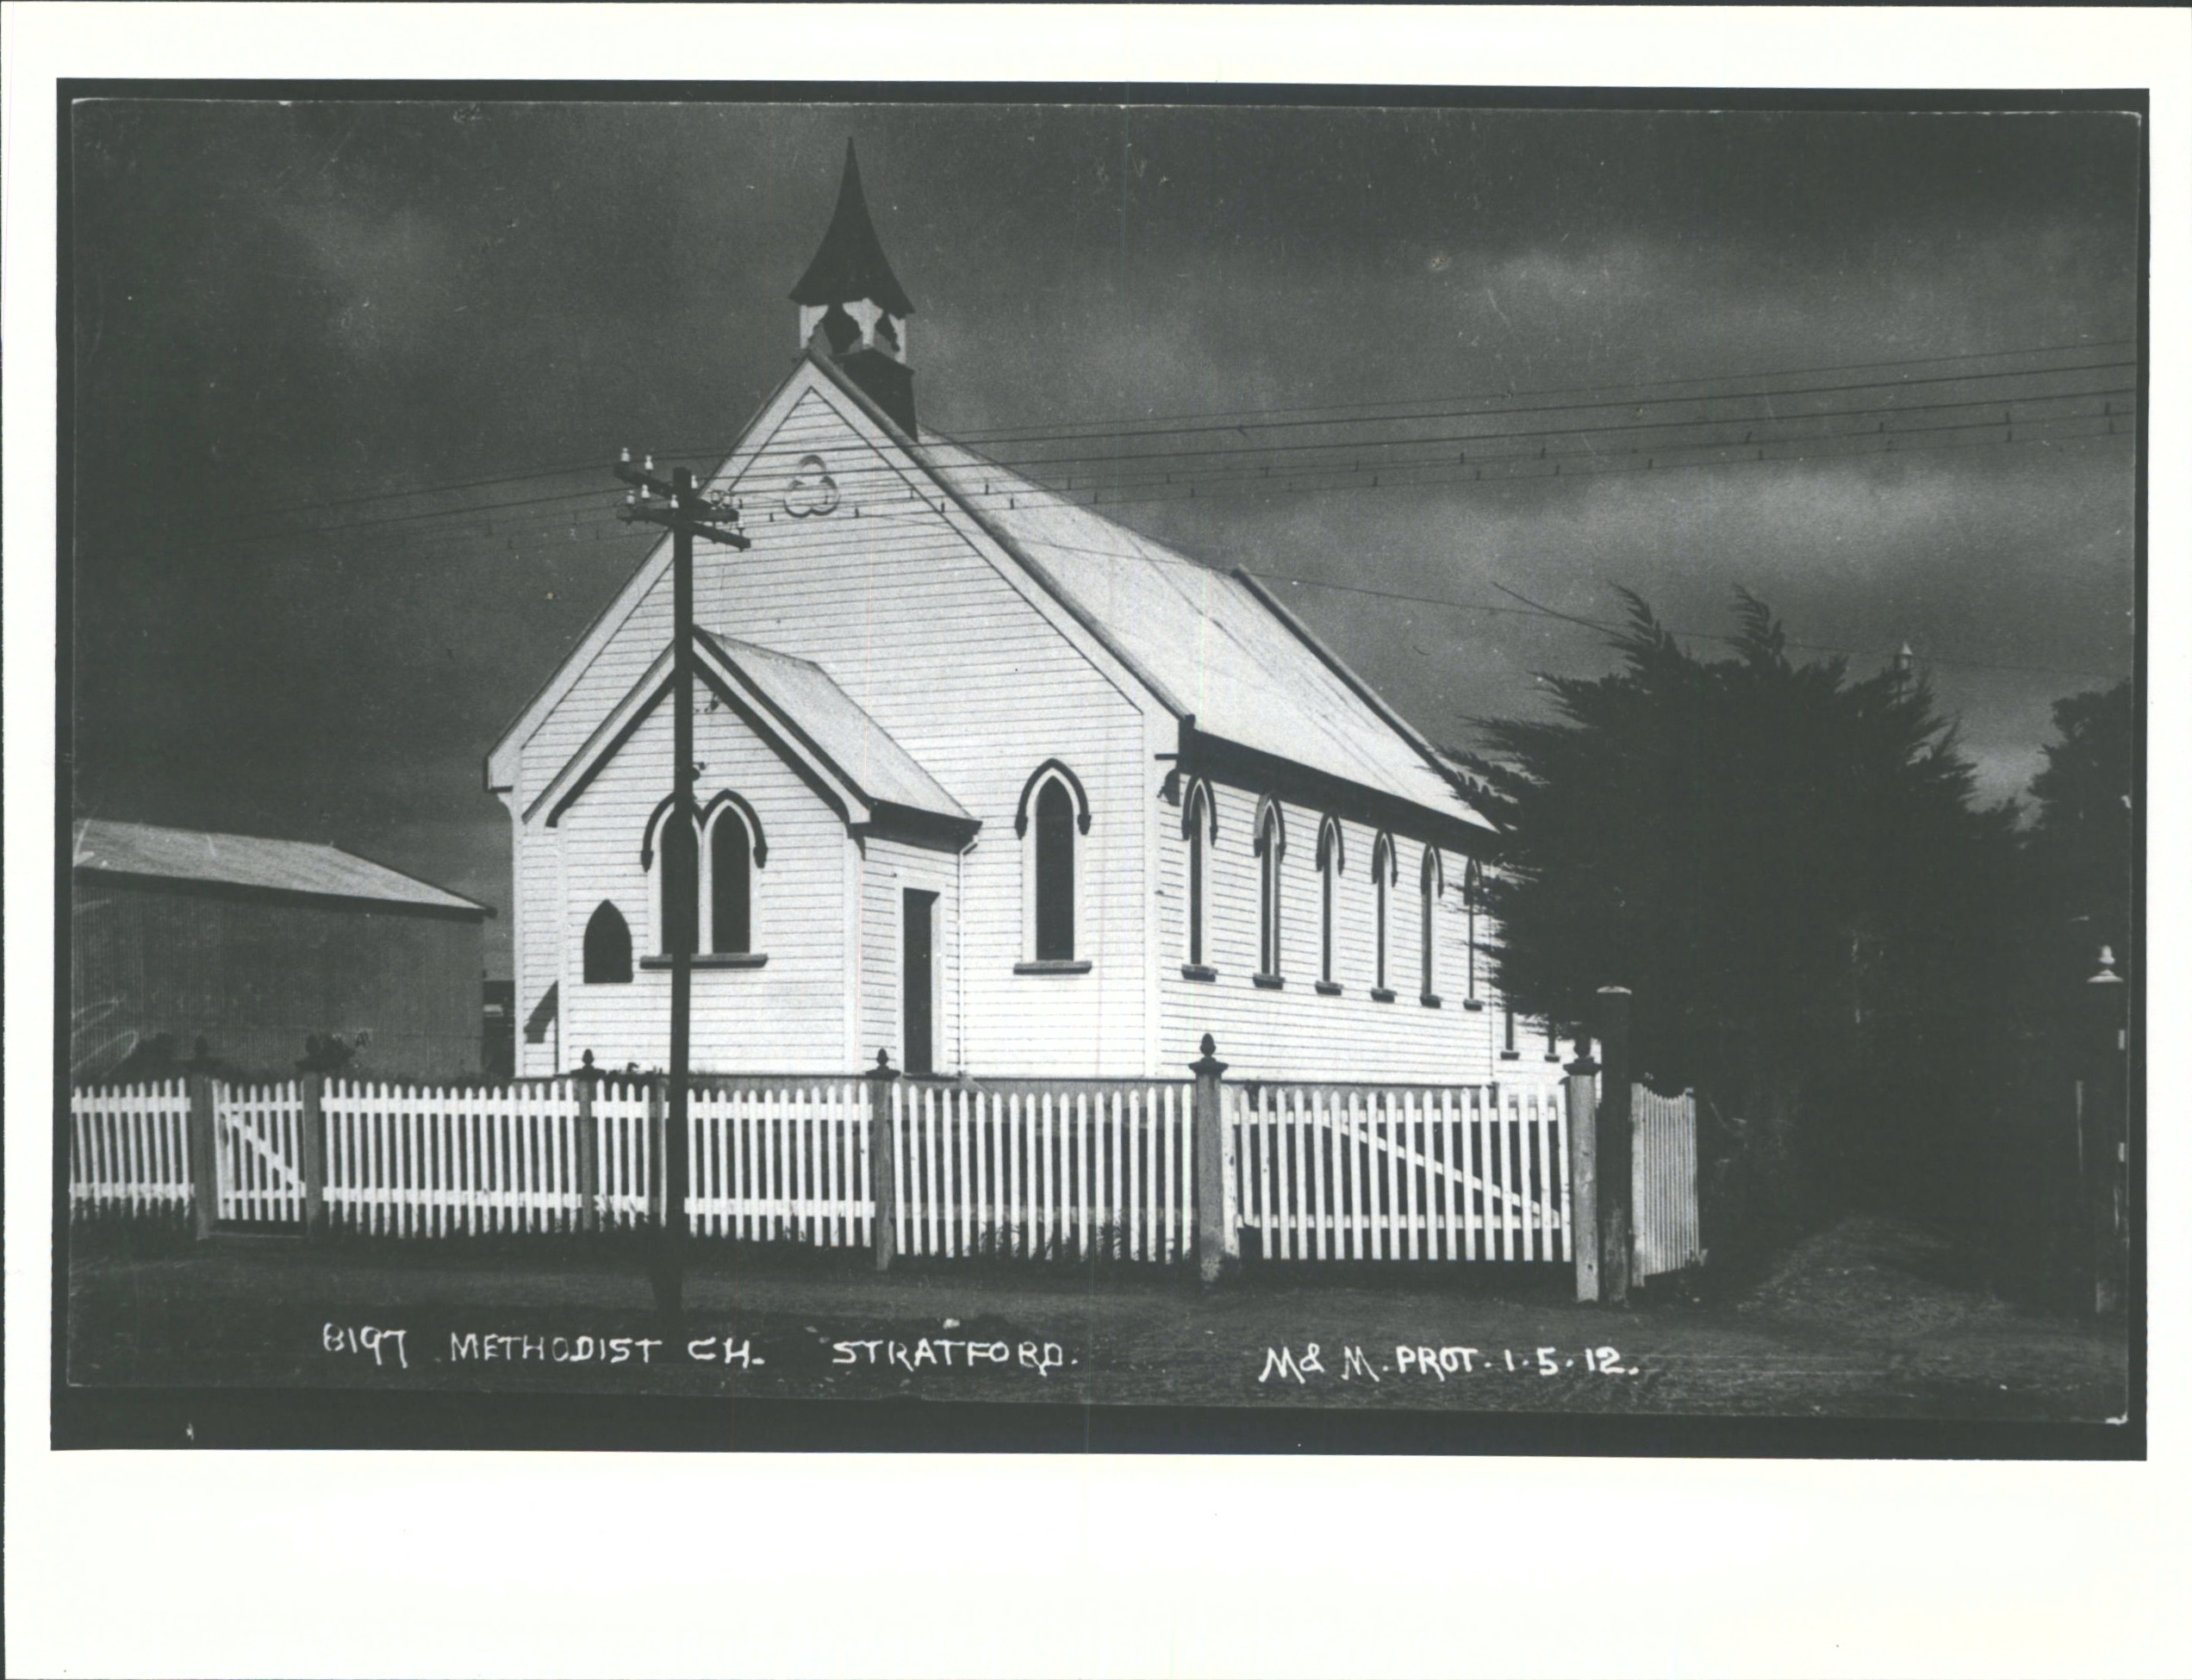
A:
(284, 312)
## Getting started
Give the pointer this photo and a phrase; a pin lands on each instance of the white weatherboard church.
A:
(987, 782)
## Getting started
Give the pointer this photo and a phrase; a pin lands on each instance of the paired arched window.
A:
(1198, 824)
(608, 947)
(1271, 851)
(702, 877)
(1052, 816)
(1331, 859)
(1381, 880)
(1434, 885)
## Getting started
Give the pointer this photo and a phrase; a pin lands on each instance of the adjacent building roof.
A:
(850, 265)
(803, 695)
(302, 867)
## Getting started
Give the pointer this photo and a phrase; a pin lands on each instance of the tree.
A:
(2080, 840)
(1781, 861)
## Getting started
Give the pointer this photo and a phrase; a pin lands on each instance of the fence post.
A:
(205, 1177)
(311, 1152)
(658, 1139)
(1582, 1168)
(883, 1172)
(589, 1148)
(1616, 1150)
(2104, 1135)
(1212, 1208)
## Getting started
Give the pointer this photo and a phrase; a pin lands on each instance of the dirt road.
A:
(1858, 1321)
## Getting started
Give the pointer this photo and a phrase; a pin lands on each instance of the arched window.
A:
(681, 889)
(1381, 880)
(1271, 849)
(1054, 874)
(1472, 896)
(1053, 811)
(1434, 885)
(608, 947)
(1331, 859)
(730, 857)
(1198, 824)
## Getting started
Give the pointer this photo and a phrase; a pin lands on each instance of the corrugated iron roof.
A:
(1225, 656)
(250, 860)
(876, 765)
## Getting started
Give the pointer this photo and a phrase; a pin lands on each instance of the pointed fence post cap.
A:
(2108, 976)
(882, 1069)
(1208, 1066)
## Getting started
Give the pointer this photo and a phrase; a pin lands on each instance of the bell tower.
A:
(852, 308)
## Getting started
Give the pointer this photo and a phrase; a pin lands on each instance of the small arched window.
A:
(1270, 849)
(1199, 823)
(1054, 874)
(608, 947)
(1381, 879)
(1434, 885)
(1331, 859)
(730, 859)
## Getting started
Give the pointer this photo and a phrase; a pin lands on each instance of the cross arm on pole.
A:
(683, 507)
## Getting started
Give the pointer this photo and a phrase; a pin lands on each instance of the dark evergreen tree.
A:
(2082, 836)
(1784, 864)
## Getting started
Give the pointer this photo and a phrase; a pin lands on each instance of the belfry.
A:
(852, 308)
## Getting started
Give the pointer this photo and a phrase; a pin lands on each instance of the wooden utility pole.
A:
(687, 513)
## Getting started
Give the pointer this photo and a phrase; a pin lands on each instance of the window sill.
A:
(1272, 982)
(1510, 1055)
(1328, 988)
(1473, 1004)
(1055, 966)
(711, 960)
(1432, 1000)
(1197, 971)
(1380, 995)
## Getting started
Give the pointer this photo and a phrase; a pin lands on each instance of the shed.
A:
(237, 948)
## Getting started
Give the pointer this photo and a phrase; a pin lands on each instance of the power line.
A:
(1129, 424)
(1137, 427)
(1212, 474)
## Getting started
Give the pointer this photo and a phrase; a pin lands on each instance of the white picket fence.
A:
(129, 1148)
(1045, 1171)
(1458, 1172)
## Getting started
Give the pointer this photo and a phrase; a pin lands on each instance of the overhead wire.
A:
(1077, 432)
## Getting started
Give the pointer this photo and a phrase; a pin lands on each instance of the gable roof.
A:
(800, 714)
(1207, 646)
(1243, 667)
(804, 698)
(305, 867)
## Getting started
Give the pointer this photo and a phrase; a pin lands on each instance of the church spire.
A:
(852, 308)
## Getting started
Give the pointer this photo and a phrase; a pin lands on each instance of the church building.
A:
(987, 782)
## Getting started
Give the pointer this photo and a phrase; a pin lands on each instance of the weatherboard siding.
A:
(1295, 1031)
(786, 1015)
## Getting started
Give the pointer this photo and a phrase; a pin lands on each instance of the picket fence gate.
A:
(1457, 1172)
